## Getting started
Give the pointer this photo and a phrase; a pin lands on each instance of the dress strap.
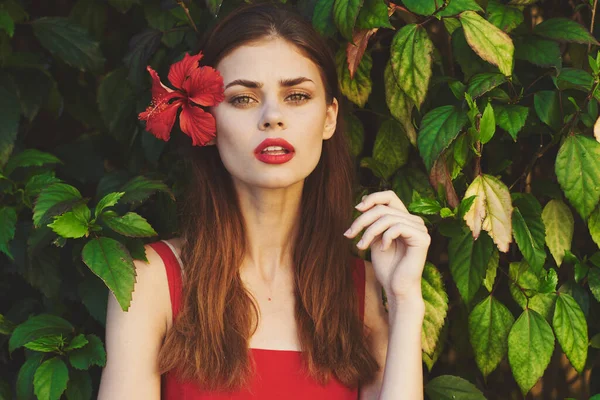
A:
(359, 281)
(174, 271)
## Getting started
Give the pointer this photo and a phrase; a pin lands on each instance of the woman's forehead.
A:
(267, 61)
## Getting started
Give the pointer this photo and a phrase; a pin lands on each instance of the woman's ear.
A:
(330, 119)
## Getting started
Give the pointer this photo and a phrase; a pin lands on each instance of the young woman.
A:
(260, 297)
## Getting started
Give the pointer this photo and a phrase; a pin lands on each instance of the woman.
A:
(268, 302)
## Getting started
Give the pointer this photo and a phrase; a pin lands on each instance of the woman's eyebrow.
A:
(257, 85)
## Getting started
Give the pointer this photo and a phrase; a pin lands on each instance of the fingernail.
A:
(348, 232)
(359, 205)
(360, 243)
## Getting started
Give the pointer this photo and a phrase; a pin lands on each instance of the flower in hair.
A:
(195, 86)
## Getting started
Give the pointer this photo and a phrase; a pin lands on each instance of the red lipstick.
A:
(283, 153)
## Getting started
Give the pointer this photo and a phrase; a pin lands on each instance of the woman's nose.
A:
(271, 117)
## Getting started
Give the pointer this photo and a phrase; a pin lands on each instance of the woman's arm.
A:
(133, 338)
(395, 343)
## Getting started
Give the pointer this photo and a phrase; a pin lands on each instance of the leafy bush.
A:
(481, 116)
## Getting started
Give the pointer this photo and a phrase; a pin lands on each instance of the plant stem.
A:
(187, 13)
(592, 23)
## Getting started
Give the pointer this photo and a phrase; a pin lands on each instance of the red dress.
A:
(278, 372)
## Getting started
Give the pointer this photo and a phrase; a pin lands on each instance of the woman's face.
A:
(258, 105)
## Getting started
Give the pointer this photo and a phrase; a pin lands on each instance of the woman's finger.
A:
(378, 211)
(382, 224)
(387, 197)
(398, 230)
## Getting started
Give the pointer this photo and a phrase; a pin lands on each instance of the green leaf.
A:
(345, 13)
(547, 107)
(410, 179)
(356, 89)
(530, 347)
(594, 282)
(487, 124)
(6, 326)
(468, 262)
(482, 83)
(107, 201)
(436, 307)
(10, 113)
(36, 183)
(439, 128)
(76, 343)
(54, 200)
(491, 211)
(410, 56)
(46, 344)
(574, 78)
(570, 327)
(116, 102)
(373, 14)
(24, 386)
(6, 23)
(70, 42)
(528, 229)
(544, 304)
(92, 15)
(322, 18)
(391, 145)
(378, 168)
(214, 6)
(73, 224)
(578, 172)
(425, 206)
(593, 224)
(37, 327)
(511, 118)
(538, 51)
(503, 16)
(111, 261)
(140, 188)
(560, 225)
(91, 354)
(449, 387)
(455, 7)
(123, 5)
(489, 326)
(80, 385)
(141, 48)
(8, 221)
(422, 7)
(399, 103)
(489, 42)
(492, 269)
(564, 30)
(130, 224)
(470, 63)
(50, 379)
(356, 134)
(29, 158)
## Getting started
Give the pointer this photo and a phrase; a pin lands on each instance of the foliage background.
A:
(479, 114)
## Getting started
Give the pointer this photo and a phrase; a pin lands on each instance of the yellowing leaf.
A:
(491, 210)
(559, 224)
(489, 42)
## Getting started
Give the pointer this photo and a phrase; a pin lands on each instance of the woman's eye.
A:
(299, 97)
(238, 100)
(246, 100)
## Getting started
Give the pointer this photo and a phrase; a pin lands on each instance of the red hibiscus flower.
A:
(195, 86)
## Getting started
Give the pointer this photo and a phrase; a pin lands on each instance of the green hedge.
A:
(480, 115)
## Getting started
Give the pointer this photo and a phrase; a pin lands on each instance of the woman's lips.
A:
(274, 158)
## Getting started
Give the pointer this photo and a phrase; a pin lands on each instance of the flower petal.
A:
(160, 116)
(197, 124)
(204, 86)
(180, 70)
(158, 89)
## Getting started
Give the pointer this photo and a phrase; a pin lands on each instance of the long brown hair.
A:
(209, 340)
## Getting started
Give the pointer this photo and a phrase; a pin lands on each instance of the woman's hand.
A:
(399, 242)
